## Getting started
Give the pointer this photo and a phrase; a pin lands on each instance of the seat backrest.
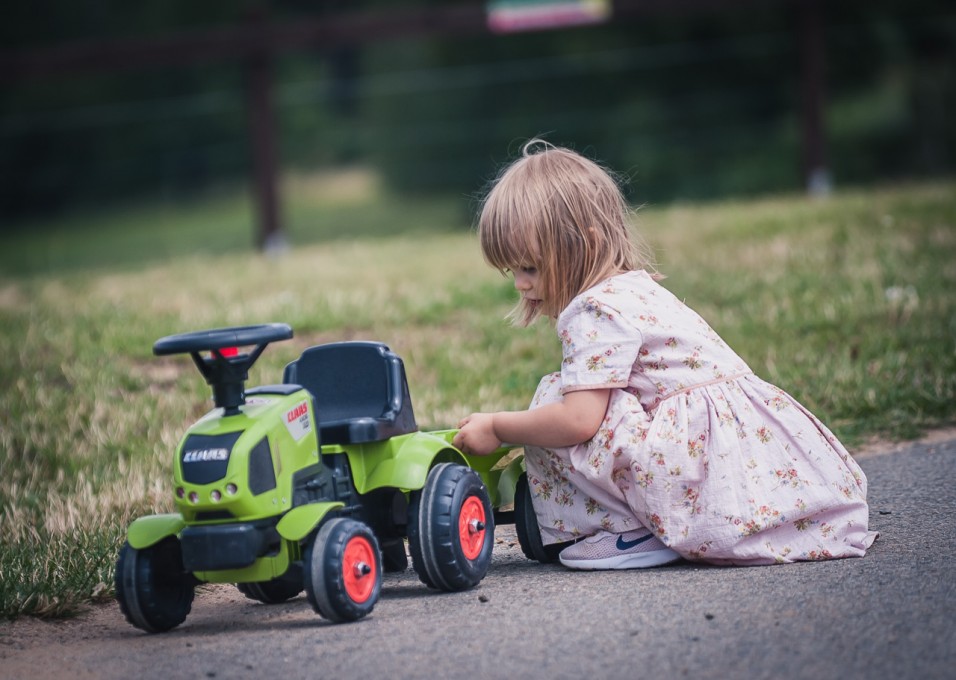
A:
(360, 391)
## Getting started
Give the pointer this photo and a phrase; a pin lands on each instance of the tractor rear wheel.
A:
(452, 529)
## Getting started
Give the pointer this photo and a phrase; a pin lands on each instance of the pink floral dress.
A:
(722, 466)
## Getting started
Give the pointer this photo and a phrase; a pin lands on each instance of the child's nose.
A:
(522, 282)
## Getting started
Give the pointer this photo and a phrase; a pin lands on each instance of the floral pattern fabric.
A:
(722, 466)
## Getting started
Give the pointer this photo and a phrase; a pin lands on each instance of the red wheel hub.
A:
(358, 568)
(471, 527)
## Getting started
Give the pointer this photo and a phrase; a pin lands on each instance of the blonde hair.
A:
(565, 215)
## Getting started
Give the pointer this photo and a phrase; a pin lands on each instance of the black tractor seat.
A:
(360, 391)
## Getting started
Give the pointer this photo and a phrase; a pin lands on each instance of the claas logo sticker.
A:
(297, 412)
(297, 420)
(205, 455)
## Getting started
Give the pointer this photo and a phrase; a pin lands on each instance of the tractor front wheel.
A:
(153, 591)
(343, 570)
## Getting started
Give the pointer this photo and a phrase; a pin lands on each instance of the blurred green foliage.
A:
(687, 105)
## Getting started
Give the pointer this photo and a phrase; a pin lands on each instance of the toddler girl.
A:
(655, 441)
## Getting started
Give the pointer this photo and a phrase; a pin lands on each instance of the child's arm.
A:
(573, 420)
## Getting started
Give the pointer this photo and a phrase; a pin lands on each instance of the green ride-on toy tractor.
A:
(315, 484)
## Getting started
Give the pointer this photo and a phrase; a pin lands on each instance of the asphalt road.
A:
(889, 615)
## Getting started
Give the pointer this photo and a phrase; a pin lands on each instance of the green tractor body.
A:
(279, 489)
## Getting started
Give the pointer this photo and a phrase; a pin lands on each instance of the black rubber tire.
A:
(526, 526)
(271, 592)
(328, 565)
(438, 554)
(394, 559)
(414, 542)
(153, 591)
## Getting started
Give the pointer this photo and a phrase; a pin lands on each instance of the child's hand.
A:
(477, 434)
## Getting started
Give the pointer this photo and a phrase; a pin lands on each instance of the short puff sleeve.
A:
(600, 347)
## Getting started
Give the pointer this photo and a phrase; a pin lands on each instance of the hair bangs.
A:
(506, 230)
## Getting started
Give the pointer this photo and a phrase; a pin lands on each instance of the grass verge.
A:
(846, 303)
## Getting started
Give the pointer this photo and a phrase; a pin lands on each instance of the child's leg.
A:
(567, 504)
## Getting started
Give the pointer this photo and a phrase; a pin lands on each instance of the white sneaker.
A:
(632, 550)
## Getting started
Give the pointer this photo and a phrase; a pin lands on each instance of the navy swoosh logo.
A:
(626, 545)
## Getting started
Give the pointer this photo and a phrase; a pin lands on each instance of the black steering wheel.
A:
(225, 372)
(217, 338)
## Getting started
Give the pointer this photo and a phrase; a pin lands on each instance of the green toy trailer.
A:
(314, 484)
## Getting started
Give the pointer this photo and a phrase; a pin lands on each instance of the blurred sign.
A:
(511, 16)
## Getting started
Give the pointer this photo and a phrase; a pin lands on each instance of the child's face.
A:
(526, 283)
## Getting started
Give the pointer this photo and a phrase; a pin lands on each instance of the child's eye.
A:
(529, 270)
